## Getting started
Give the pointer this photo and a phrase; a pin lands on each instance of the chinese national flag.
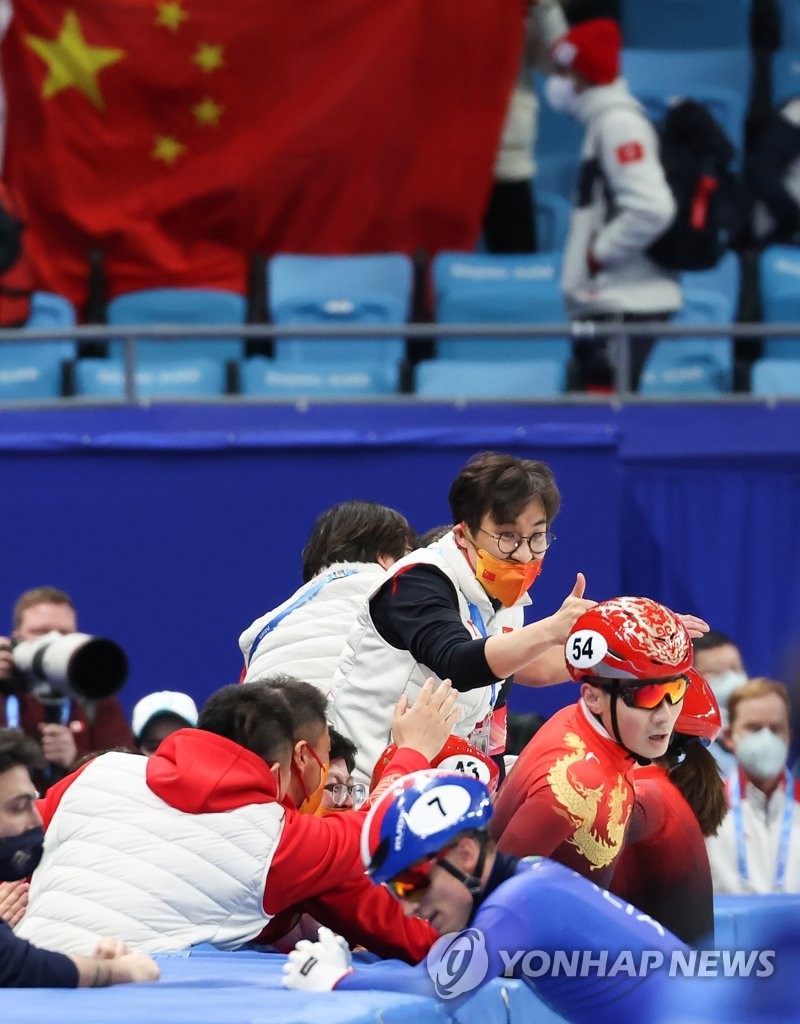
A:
(182, 136)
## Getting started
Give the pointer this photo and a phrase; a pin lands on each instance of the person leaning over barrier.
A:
(426, 838)
(23, 965)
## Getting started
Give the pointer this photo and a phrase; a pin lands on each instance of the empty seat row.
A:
(467, 288)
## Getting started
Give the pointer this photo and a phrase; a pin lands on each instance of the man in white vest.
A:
(204, 843)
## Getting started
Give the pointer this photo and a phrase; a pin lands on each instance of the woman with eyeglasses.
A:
(570, 794)
(455, 609)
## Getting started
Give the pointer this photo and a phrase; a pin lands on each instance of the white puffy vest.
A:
(307, 642)
(119, 861)
(372, 675)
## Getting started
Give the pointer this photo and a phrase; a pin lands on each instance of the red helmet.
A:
(700, 712)
(628, 638)
(457, 755)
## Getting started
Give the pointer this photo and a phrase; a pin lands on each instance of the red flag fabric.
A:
(182, 136)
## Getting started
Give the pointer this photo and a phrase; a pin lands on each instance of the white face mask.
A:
(723, 686)
(560, 93)
(762, 754)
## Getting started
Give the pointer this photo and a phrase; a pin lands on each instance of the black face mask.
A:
(20, 854)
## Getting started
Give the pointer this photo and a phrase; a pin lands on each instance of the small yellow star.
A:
(207, 112)
(167, 149)
(171, 15)
(209, 58)
(72, 62)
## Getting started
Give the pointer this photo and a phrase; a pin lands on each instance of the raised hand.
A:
(426, 725)
(575, 604)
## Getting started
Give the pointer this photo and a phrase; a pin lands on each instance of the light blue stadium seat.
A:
(180, 307)
(260, 376)
(720, 79)
(686, 24)
(789, 13)
(785, 73)
(725, 279)
(185, 378)
(553, 213)
(779, 271)
(32, 370)
(339, 290)
(450, 378)
(491, 288)
(693, 366)
(779, 377)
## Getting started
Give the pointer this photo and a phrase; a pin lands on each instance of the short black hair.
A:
(18, 749)
(308, 705)
(711, 640)
(501, 485)
(356, 531)
(342, 747)
(433, 534)
(256, 718)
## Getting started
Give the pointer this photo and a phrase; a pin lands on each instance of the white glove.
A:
(318, 966)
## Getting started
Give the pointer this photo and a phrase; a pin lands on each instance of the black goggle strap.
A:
(473, 881)
(615, 696)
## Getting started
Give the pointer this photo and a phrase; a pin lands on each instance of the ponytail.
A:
(698, 779)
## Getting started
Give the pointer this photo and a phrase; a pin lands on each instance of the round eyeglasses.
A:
(339, 793)
(509, 541)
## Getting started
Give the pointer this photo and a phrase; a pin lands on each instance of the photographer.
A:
(82, 726)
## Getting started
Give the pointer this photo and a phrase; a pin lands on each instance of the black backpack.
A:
(696, 155)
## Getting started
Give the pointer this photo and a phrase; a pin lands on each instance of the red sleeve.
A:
(536, 828)
(48, 804)
(367, 915)
(317, 855)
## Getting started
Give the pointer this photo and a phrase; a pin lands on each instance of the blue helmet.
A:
(418, 816)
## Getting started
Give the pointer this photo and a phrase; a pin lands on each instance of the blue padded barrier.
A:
(181, 306)
(336, 290)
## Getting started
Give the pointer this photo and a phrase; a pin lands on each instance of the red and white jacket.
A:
(192, 846)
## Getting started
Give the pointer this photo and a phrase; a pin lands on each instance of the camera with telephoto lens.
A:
(58, 666)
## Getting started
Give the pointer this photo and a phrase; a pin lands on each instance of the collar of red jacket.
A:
(198, 772)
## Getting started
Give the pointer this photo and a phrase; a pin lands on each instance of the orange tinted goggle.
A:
(650, 695)
(412, 883)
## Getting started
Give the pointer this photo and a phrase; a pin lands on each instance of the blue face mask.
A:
(762, 754)
(20, 854)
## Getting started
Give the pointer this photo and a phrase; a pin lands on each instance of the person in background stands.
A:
(159, 714)
(85, 726)
(719, 661)
(757, 849)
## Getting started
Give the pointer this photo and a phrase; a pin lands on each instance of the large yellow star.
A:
(72, 62)
(167, 149)
(171, 15)
(207, 112)
(208, 57)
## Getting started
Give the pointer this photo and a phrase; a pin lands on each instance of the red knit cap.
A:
(592, 49)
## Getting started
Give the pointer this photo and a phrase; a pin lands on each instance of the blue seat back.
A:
(276, 379)
(32, 369)
(785, 74)
(789, 12)
(339, 290)
(679, 72)
(25, 379)
(776, 377)
(780, 296)
(696, 365)
(553, 213)
(686, 24)
(179, 378)
(535, 378)
(182, 307)
(492, 288)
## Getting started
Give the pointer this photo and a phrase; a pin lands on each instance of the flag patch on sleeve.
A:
(630, 152)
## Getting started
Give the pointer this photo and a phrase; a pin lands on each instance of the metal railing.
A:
(578, 330)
